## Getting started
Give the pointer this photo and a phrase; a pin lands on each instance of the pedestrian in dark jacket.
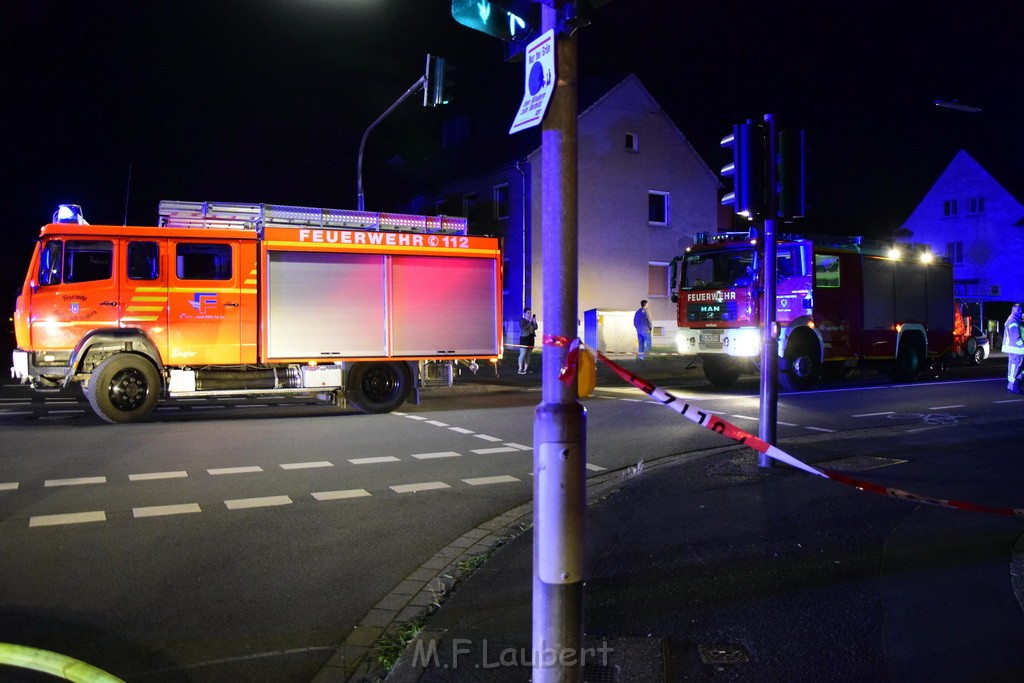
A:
(527, 339)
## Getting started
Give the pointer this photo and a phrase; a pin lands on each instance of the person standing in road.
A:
(642, 323)
(527, 339)
(1013, 347)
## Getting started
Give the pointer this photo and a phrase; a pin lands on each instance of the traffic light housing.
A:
(437, 84)
(748, 169)
(509, 20)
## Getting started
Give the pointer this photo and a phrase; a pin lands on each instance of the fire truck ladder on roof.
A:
(179, 214)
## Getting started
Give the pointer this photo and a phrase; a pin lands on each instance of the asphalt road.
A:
(242, 540)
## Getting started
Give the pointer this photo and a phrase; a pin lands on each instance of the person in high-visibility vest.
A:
(1013, 347)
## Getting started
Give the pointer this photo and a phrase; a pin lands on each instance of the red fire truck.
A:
(841, 303)
(227, 299)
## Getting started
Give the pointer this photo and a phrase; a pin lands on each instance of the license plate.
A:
(710, 338)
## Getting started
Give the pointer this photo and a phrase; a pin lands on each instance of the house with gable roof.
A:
(972, 217)
(644, 193)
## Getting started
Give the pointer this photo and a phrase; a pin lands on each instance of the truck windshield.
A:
(732, 268)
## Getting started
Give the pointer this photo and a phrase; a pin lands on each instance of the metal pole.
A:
(768, 418)
(362, 143)
(559, 435)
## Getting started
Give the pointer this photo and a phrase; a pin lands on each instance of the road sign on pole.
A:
(539, 82)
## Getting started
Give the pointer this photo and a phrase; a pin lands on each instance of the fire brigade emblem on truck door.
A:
(203, 301)
(75, 308)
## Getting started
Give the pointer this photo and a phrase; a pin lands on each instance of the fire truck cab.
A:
(841, 303)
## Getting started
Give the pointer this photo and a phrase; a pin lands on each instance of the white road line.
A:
(305, 465)
(499, 449)
(169, 408)
(486, 437)
(436, 423)
(961, 405)
(441, 454)
(461, 430)
(70, 518)
(370, 461)
(820, 429)
(424, 486)
(338, 495)
(75, 482)
(416, 417)
(8, 486)
(787, 424)
(484, 481)
(1010, 400)
(66, 412)
(518, 446)
(163, 510)
(235, 470)
(266, 501)
(744, 417)
(595, 468)
(635, 400)
(146, 476)
(208, 407)
(16, 412)
(887, 412)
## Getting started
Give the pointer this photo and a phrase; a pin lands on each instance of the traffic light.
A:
(510, 20)
(792, 202)
(748, 170)
(437, 86)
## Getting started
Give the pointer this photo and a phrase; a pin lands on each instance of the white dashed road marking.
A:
(370, 461)
(163, 510)
(8, 486)
(71, 518)
(305, 465)
(483, 481)
(265, 501)
(425, 486)
(442, 454)
(339, 495)
(75, 482)
(461, 430)
(487, 437)
(235, 470)
(499, 449)
(157, 475)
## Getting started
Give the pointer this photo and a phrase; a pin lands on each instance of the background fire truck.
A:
(841, 303)
(230, 299)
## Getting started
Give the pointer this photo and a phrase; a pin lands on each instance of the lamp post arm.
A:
(362, 143)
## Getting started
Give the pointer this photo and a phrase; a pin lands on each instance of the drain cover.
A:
(722, 654)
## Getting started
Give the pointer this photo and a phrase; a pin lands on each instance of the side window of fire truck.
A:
(143, 260)
(203, 261)
(88, 261)
(826, 270)
(50, 260)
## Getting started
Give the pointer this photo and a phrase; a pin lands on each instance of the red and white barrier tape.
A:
(725, 428)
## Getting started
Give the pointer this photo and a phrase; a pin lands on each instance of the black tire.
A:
(722, 371)
(378, 387)
(801, 367)
(909, 361)
(978, 356)
(124, 388)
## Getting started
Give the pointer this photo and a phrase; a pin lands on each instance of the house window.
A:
(955, 251)
(949, 208)
(657, 207)
(469, 207)
(632, 142)
(501, 201)
(976, 205)
(657, 279)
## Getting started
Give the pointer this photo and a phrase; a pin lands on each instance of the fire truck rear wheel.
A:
(378, 387)
(909, 361)
(124, 388)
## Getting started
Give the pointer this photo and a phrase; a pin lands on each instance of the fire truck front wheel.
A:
(124, 388)
(722, 371)
(801, 367)
(378, 387)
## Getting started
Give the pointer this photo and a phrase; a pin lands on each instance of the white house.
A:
(643, 194)
(979, 224)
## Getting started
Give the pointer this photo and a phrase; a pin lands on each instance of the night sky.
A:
(116, 105)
